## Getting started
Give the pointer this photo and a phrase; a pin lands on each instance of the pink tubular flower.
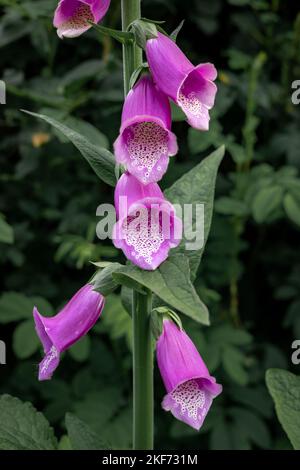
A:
(190, 388)
(58, 333)
(146, 141)
(191, 87)
(147, 226)
(72, 17)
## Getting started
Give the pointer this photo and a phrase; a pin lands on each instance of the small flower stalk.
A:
(72, 17)
(147, 226)
(60, 332)
(190, 87)
(190, 387)
(146, 142)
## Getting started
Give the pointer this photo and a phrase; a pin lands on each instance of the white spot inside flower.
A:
(190, 398)
(146, 144)
(191, 104)
(144, 234)
(79, 21)
(51, 355)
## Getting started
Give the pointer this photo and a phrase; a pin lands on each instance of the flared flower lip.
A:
(45, 339)
(147, 118)
(162, 253)
(214, 388)
(97, 11)
(184, 79)
(164, 205)
(122, 155)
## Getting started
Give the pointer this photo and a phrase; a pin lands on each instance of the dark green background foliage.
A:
(250, 273)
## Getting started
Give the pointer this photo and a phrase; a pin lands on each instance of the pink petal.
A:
(72, 17)
(60, 332)
(168, 64)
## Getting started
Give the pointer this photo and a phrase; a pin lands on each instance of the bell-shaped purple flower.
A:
(146, 142)
(58, 333)
(190, 388)
(191, 87)
(147, 226)
(72, 17)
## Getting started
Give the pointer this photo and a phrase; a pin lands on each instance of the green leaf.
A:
(12, 32)
(14, 307)
(256, 398)
(292, 208)
(64, 443)
(220, 436)
(101, 160)
(81, 73)
(197, 187)
(153, 21)
(121, 36)
(233, 361)
(200, 141)
(99, 407)
(81, 435)
(43, 306)
(251, 427)
(81, 350)
(22, 427)
(91, 133)
(225, 334)
(25, 340)
(171, 283)
(116, 322)
(6, 232)
(284, 388)
(119, 431)
(229, 206)
(265, 202)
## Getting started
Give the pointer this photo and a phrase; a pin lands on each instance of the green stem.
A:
(132, 54)
(142, 303)
(142, 372)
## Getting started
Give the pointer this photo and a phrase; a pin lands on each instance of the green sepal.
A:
(142, 31)
(137, 73)
(176, 31)
(158, 315)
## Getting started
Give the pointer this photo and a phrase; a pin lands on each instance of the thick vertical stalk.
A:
(142, 303)
(132, 54)
(142, 372)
